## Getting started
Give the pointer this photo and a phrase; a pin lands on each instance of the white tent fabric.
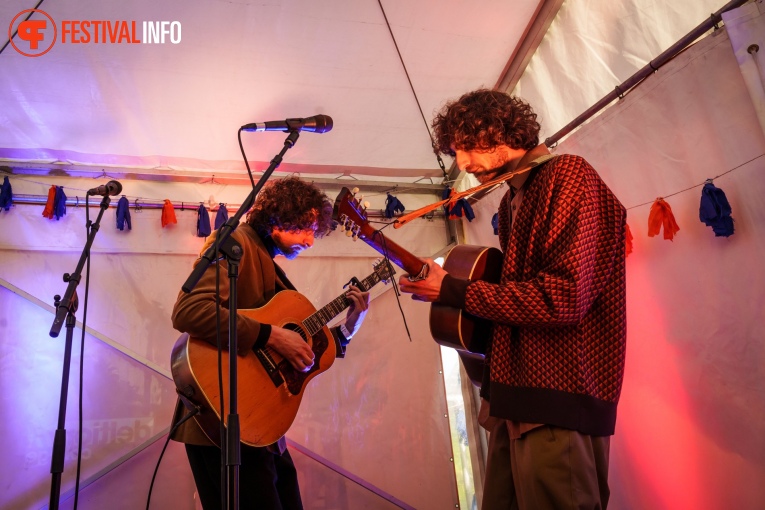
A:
(177, 107)
(594, 46)
(746, 26)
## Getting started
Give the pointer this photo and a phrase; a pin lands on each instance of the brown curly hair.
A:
(291, 204)
(484, 119)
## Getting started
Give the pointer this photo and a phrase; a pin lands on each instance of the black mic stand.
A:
(65, 309)
(232, 252)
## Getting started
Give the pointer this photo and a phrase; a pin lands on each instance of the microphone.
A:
(110, 188)
(315, 124)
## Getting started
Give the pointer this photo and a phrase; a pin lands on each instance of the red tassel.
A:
(627, 239)
(168, 213)
(48, 212)
(661, 215)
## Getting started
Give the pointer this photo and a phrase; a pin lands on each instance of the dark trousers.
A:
(267, 481)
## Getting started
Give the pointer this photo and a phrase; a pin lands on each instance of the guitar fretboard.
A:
(314, 323)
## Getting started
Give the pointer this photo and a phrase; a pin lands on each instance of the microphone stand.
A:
(232, 252)
(65, 309)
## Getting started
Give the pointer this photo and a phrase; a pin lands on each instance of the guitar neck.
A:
(351, 215)
(323, 316)
(398, 255)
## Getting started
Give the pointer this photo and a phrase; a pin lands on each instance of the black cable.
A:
(244, 156)
(219, 342)
(162, 453)
(17, 31)
(416, 99)
(82, 361)
(393, 280)
(697, 185)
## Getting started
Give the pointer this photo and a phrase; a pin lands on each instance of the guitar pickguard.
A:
(294, 379)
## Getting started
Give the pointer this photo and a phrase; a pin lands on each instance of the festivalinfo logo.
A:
(37, 32)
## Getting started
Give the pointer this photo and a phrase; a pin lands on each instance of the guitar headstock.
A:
(350, 213)
(384, 270)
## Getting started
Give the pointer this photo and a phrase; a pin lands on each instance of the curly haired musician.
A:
(288, 214)
(556, 361)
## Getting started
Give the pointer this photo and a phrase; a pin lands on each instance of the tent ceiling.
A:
(174, 109)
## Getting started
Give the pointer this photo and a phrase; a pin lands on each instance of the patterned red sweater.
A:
(559, 311)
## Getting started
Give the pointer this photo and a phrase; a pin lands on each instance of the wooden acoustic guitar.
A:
(449, 326)
(269, 389)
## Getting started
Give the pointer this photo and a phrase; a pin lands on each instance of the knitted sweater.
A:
(559, 311)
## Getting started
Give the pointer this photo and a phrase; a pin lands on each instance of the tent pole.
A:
(649, 69)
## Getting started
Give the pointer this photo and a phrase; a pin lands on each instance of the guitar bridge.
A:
(271, 369)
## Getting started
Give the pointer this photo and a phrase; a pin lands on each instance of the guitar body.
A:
(452, 327)
(456, 328)
(268, 400)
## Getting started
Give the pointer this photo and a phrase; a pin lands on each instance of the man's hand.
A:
(427, 289)
(358, 309)
(291, 346)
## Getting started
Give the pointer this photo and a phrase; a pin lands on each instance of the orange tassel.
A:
(627, 239)
(451, 204)
(661, 215)
(168, 213)
(48, 211)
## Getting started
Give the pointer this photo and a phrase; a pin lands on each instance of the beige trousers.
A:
(546, 468)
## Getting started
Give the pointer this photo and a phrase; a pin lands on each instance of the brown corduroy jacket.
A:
(194, 313)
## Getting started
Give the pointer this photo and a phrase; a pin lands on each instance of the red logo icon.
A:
(34, 33)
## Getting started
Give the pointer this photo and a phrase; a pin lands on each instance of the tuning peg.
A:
(366, 205)
(354, 191)
(349, 232)
(356, 230)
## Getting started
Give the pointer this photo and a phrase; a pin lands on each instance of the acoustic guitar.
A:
(450, 327)
(269, 389)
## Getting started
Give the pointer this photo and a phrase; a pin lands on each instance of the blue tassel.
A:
(6, 195)
(203, 222)
(123, 214)
(461, 206)
(392, 206)
(221, 217)
(445, 194)
(715, 211)
(59, 204)
(495, 223)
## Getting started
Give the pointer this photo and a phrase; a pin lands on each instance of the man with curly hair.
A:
(288, 214)
(554, 368)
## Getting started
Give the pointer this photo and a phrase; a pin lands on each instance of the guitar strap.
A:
(536, 164)
(282, 282)
(281, 279)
